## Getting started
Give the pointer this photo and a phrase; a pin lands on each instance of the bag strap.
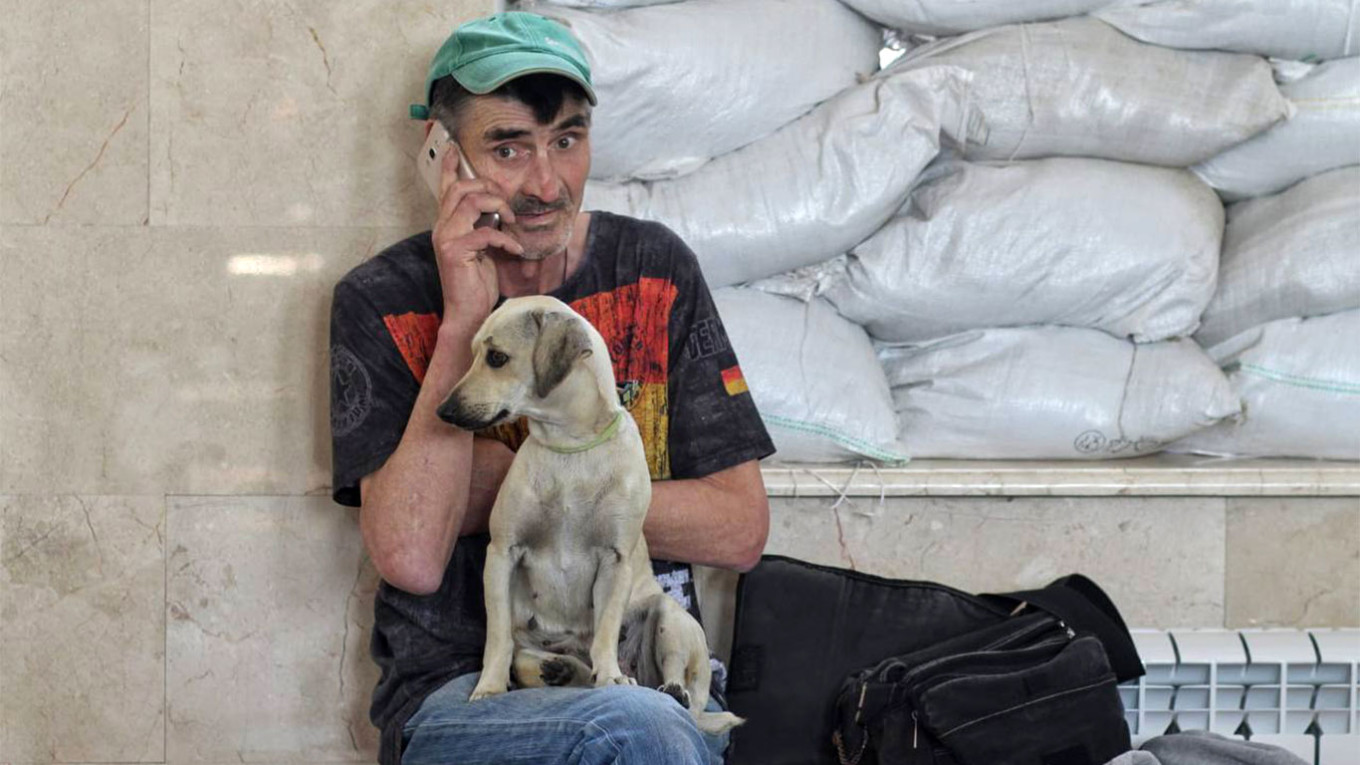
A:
(1085, 607)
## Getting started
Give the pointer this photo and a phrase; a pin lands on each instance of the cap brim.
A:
(487, 74)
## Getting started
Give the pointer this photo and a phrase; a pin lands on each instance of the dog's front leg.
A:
(500, 646)
(613, 585)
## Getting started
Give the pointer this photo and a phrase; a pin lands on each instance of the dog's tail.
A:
(717, 722)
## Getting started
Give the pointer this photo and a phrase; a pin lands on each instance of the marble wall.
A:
(180, 185)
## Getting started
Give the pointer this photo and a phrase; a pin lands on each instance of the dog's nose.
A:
(449, 411)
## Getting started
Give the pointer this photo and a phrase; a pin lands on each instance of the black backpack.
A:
(832, 666)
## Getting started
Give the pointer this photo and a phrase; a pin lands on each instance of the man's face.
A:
(541, 169)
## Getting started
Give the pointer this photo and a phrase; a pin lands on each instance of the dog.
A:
(568, 577)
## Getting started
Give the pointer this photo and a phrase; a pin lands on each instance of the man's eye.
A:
(505, 152)
(565, 142)
(496, 359)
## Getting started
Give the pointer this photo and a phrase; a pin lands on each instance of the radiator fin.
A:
(1296, 689)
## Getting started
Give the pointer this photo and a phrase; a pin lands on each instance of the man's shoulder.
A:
(647, 240)
(620, 225)
(400, 270)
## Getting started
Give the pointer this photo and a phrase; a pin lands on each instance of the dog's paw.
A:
(677, 692)
(485, 690)
(613, 678)
(556, 672)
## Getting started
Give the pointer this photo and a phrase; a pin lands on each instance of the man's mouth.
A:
(533, 218)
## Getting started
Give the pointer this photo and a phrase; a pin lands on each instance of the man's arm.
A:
(438, 485)
(721, 519)
(413, 508)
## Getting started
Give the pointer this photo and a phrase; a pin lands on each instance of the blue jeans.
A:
(628, 725)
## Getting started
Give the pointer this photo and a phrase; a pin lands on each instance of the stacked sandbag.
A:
(1293, 254)
(679, 83)
(1079, 87)
(1289, 29)
(1299, 380)
(1051, 392)
(814, 377)
(1323, 134)
(814, 188)
(1031, 295)
(1129, 249)
(1285, 323)
(605, 4)
(951, 17)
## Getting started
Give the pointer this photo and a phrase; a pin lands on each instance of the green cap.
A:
(484, 54)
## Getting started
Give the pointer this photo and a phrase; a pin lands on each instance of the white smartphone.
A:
(430, 164)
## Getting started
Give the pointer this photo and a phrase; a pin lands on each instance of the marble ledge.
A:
(1156, 475)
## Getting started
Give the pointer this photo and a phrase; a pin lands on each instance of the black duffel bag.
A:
(801, 630)
(1026, 691)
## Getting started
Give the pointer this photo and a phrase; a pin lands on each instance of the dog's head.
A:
(525, 355)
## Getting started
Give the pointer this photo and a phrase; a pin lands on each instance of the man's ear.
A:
(561, 342)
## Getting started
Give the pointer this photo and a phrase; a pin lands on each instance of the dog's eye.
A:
(495, 359)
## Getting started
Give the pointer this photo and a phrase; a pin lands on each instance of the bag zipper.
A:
(990, 647)
(931, 682)
(1068, 635)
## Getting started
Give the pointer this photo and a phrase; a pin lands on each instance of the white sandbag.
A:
(1323, 134)
(1293, 254)
(813, 189)
(803, 283)
(814, 377)
(1051, 393)
(1299, 380)
(1293, 29)
(1130, 249)
(683, 82)
(1078, 87)
(951, 17)
(601, 4)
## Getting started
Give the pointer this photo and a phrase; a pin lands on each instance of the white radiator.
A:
(1292, 688)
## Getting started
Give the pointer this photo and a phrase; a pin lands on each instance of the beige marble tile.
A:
(291, 113)
(41, 375)
(178, 360)
(82, 632)
(1160, 560)
(1293, 562)
(74, 112)
(269, 606)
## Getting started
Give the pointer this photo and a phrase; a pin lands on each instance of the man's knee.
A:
(648, 726)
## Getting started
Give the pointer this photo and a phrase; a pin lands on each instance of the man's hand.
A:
(466, 273)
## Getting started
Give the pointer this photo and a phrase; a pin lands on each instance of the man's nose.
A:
(542, 179)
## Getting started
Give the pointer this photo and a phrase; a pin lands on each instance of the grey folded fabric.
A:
(1134, 758)
(1197, 747)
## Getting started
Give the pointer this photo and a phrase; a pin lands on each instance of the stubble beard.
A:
(558, 244)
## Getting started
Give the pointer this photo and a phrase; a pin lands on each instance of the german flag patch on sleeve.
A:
(733, 381)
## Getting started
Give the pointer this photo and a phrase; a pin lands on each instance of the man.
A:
(514, 91)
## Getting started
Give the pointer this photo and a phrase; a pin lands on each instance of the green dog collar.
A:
(607, 434)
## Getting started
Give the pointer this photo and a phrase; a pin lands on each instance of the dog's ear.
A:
(561, 342)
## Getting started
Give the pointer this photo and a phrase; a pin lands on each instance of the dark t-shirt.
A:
(641, 287)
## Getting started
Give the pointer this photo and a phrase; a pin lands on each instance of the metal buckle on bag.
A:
(839, 742)
(840, 748)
